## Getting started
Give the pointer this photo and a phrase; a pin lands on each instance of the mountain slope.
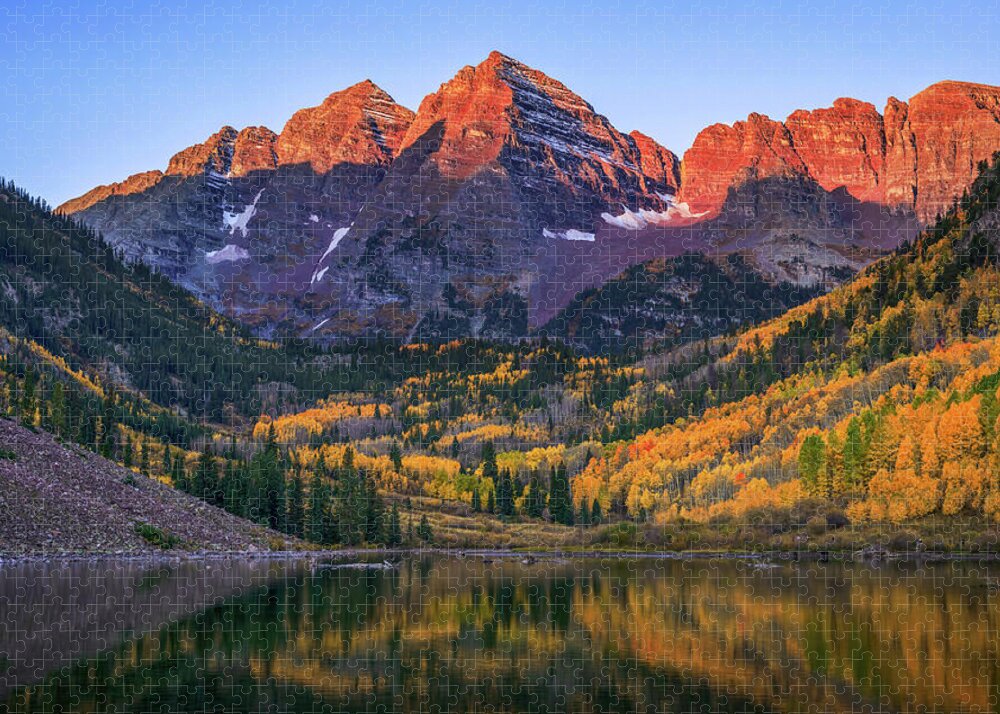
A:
(671, 301)
(62, 499)
(69, 304)
(881, 396)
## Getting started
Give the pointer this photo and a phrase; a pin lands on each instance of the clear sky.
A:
(95, 91)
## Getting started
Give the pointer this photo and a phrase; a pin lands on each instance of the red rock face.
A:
(506, 113)
(136, 183)
(843, 146)
(955, 125)
(723, 156)
(253, 151)
(359, 125)
(658, 162)
(214, 154)
(919, 155)
(899, 182)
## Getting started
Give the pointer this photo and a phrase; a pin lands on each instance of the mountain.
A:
(488, 211)
(916, 156)
(362, 218)
(71, 310)
(241, 218)
(500, 167)
(879, 399)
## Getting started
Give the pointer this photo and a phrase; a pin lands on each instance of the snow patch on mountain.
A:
(635, 220)
(313, 218)
(228, 254)
(570, 234)
(240, 221)
(338, 236)
(318, 275)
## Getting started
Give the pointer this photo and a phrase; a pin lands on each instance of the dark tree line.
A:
(332, 505)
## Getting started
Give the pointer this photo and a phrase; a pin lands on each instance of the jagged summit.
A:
(506, 192)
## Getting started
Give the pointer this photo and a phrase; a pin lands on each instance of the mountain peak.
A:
(361, 124)
(213, 154)
(499, 59)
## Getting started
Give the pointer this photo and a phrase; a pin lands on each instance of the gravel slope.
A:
(61, 499)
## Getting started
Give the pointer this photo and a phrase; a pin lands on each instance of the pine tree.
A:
(491, 506)
(489, 461)
(374, 510)
(351, 502)
(57, 410)
(144, 458)
(555, 493)
(595, 513)
(296, 516)
(320, 527)
(477, 504)
(205, 476)
(504, 494)
(396, 456)
(395, 536)
(560, 499)
(424, 529)
(178, 474)
(27, 407)
(584, 516)
(269, 481)
(534, 506)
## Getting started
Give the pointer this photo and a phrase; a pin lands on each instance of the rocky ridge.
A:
(488, 209)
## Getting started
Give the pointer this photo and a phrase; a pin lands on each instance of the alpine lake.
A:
(431, 632)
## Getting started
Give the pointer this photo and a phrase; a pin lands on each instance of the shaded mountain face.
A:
(506, 194)
(668, 301)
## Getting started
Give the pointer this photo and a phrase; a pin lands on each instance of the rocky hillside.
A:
(506, 194)
(63, 499)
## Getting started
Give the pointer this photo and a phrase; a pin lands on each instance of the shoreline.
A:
(489, 555)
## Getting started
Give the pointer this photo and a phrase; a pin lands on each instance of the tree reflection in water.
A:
(612, 635)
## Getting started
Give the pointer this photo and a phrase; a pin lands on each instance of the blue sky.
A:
(93, 92)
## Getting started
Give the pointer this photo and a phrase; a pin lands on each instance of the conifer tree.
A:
(144, 458)
(595, 513)
(395, 535)
(534, 505)
(320, 527)
(424, 529)
(205, 476)
(296, 505)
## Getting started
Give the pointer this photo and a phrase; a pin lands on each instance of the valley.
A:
(499, 322)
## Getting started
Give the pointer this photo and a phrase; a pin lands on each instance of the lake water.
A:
(441, 634)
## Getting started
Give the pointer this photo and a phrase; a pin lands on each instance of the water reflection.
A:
(451, 635)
